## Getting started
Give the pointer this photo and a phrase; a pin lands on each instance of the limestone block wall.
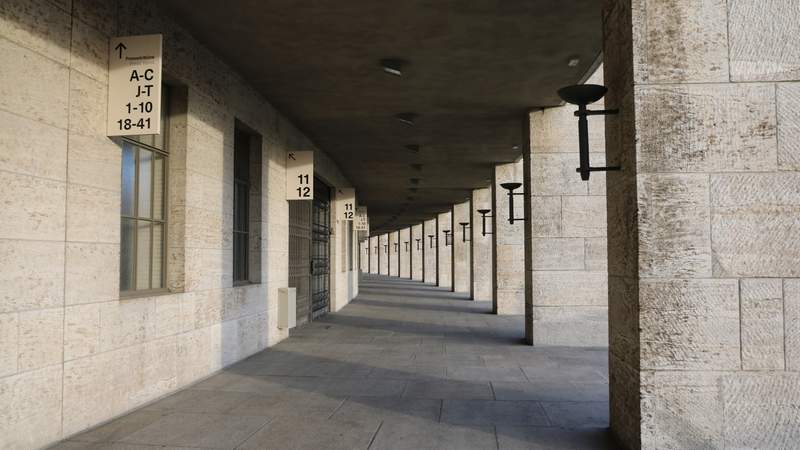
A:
(462, 281)
(405, 253)
(363, 256)
(509, 243)
(383, 254)
(481, 268)
(417, 252)
(374, 255)
(568, 262)
(444, 221)
(430, 257)
(394, 253)
(703, 231)
(72, 353)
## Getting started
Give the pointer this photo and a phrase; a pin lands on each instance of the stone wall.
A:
(703, 235)
(568, 281)
(394, 253)
(444, 222)
(509, 243)
(430, 255)
(72, 353)
(383, 254)
(481, 246)
(462, 281)
(374, 255)
(417, 252)
(405, 253)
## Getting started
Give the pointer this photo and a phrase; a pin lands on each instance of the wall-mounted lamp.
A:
(582, 95)
(406, 242)
(386, 248)
(447, 241)
(511, 187)
(418, 243)
(464, 226)
(396, 247)
(484, 214)
(376, 249)
(430, 239)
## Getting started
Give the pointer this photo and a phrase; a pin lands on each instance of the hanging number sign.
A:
(300, 175)
(362, 219)
(134, 85)
(346, 203)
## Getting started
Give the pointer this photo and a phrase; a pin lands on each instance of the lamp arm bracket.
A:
(596, 112)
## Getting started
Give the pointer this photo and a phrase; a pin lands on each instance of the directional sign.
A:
(300, 175)
(345, 203)
(362, 219)
(134, 85)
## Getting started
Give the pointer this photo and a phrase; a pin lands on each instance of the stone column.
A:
(405, 253)
(417, 252)
(509, 274)
(374, 255)
(481, 268)
(568, 292)
(394, 266)
(383, 254)
(430, 269)
(462, 281)
(704, 235)
(363, 256)
(444, 222)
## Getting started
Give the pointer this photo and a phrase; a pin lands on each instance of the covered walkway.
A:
(405, 365)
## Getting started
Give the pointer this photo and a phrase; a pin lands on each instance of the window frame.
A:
(244, 149)
(138, 143)
(164, 222)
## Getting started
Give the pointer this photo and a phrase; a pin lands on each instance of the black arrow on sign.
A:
(120, 47)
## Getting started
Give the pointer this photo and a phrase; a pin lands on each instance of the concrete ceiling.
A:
(475, 67)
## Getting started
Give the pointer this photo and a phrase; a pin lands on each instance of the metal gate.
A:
(300, 256)
(320, 249)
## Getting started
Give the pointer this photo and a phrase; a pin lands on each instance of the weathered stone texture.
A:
(756, 224)
(681, 410)
(762, 323)
(788, 97)
(405, 253)
(482, 267)
(674, 237)
(791, 305)
(706, 128)
(763, 40)
(431, 265)
(417, 249)
(571, 325)
(566, 231)
(761, 410)
(689, 324)
(679, 41)
(509, 242)
(462, 253)
(569, 288)
(445, 245)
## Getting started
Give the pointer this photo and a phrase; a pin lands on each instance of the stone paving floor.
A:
(404, 366)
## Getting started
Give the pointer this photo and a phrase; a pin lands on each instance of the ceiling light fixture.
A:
(573, 62)
(393, 66)
(407, 118)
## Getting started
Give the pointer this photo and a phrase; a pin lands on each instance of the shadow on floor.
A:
(380, 375)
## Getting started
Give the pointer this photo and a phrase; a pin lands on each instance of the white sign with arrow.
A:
(134, 85)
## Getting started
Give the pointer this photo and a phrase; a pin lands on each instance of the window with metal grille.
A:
(143, 210)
